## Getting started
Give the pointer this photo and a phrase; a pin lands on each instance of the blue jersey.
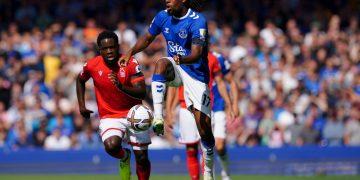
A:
(225, 69)
(179, 34)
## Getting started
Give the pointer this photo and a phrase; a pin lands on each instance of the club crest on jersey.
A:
(122, 72)
(100, 72)
(138, 70)
(183, 33)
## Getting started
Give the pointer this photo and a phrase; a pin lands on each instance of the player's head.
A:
(108, 44)
(176, 6)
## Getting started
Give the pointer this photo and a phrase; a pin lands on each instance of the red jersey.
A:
(214, 68)
(111, 102)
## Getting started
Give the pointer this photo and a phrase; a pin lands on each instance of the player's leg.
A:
(112, 132)
(219, 127)
(140, 142)
(143, 165)
(192, 151)
(203, 123)
(197, 99)
(189, 135)
(163, 74)
(113, 147)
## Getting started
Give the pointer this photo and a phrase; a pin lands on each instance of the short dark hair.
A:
(107, 35)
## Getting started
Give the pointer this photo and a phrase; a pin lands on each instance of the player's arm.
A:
(145, 40)
(198, 42)
(234, 92)
(142, 43)
(138, 88)
(195, 55)
(222, 88)
(80, 93)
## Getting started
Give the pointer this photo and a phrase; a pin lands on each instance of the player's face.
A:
(109, 50)
(174, 6)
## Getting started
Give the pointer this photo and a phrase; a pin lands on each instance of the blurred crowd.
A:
(296, 65)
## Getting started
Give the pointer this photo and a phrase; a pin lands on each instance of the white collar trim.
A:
(185, 16)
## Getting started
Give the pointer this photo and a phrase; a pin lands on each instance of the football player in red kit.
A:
(117, 89)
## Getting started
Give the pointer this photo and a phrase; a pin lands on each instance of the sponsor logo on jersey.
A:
(166, 30)
(137, 69)
(176, 48)
(183, 33)
(100, 72)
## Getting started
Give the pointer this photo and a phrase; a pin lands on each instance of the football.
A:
(140, 117)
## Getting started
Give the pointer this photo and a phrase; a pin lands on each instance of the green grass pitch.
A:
(172, 177)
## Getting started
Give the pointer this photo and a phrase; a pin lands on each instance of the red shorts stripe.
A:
(112, 129)
(190, 143)
(139, 144)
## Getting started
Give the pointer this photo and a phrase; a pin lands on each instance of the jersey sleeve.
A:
(155, 26)
(215, 66)
(199, 30)
(225, 65)
(85, 73)
(135, 71)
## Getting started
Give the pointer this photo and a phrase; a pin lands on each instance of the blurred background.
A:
(296, 64)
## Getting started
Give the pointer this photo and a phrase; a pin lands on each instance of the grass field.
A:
(159, 177)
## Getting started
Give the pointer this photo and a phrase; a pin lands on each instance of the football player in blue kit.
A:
(186, 34)
(219, 115)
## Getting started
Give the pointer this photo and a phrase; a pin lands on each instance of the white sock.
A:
(208, 154)
(158, 90)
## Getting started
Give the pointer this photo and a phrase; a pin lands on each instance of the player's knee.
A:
(161, 64)
(113, 145)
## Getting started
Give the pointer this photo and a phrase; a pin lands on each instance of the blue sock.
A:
(159, 78)
(209, 146)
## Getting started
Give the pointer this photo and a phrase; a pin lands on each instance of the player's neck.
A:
(181, 13)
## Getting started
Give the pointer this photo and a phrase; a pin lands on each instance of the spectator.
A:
(266, 127)
(333, 131)
(56, 141)
(88, 139)
(352, 128)
(125, 35)
(298, 68)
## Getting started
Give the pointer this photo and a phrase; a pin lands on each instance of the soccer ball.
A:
(140, 117)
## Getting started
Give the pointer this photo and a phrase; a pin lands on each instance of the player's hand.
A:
(229, 113)
(85, 113)
(235, 110)
(113, 78)
(123, 61)
(177, 59)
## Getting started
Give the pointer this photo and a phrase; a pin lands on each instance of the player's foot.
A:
(224, 175)
(208, 176)
(158, 126)
(208, 158)
(125, 170)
